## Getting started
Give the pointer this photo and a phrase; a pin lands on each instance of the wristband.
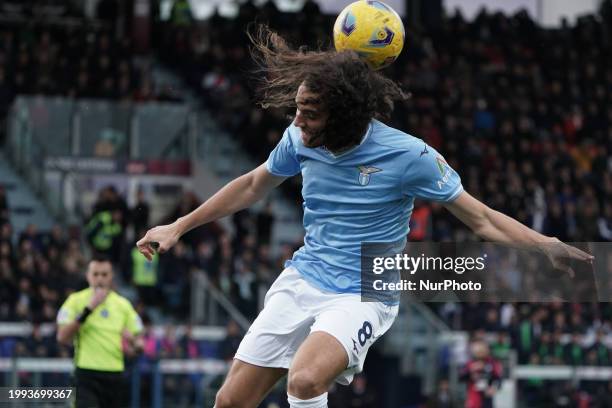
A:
(84, 315)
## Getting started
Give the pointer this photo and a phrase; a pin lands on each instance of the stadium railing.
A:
(577, 373)
(205, 371)
(96, 127)
(419, 337)
(210, 306)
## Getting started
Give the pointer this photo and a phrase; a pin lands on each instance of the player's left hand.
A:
(559, 253)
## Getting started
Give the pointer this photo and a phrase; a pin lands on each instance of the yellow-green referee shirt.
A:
(97, 344)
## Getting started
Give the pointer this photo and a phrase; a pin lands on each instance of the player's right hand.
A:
(159, 239)
(559, 253)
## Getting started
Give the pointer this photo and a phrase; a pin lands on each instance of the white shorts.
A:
(293, 309)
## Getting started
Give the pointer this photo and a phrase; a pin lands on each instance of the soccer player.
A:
(99, 322)
(360, 178)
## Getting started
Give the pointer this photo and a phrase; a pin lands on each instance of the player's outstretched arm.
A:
(238, 194)
(494, 226)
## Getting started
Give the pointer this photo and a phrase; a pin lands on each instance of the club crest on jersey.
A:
(364, 174)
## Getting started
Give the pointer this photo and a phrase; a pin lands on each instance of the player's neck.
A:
(339, 151)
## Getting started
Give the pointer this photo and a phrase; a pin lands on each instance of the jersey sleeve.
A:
(133, 323)
(68, 312)
(429, 177)
(283, 159)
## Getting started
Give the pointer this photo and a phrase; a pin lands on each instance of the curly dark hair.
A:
(351, 91)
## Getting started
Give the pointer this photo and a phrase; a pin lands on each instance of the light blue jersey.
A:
(363, 195)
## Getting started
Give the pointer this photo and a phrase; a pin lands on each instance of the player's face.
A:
(310, 117)
(100, 274)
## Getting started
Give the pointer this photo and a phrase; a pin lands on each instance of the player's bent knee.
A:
(305, 384)
(225, 399)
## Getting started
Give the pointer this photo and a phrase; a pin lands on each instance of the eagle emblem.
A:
(364, 174)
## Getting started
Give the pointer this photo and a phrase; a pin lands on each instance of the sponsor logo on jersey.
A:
(443, 169)
(441, 165)
(425, 151)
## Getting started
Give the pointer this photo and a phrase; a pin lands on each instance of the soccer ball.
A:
(372, 29)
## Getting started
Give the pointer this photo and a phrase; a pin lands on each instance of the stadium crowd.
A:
(43, 268)
(37, 273)
(236, 263)
(74, 61)
(560, 333)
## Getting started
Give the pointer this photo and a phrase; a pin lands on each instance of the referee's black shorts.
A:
(98, 389)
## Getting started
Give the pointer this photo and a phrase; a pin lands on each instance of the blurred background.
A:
(116, 116)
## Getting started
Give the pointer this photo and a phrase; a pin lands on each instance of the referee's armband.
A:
(84, 315)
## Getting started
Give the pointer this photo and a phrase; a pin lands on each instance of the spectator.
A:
(442, 397)
(105, 233)
(169, 346)
(501, 348)
(145, 276)
(604, 223)
(188, 345)
(38, 345)
(243, 227)
(108, 10)
(600, 351)
(180, 14)
(483, 376)
(356, 395)
(246, 284)
(55, 239)
(573, 353)
(528, 331)
(188, 203)
(206, 259)
(150, 340)
(4, 204)
(176, 278)
(150, 356)
(546, 350)
(491, 323)
(233, 337)
(30, 233)
(9, 293)
(265, 224)
(420, 222)
(140, 213)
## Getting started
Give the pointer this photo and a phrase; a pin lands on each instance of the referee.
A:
(103, 325)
